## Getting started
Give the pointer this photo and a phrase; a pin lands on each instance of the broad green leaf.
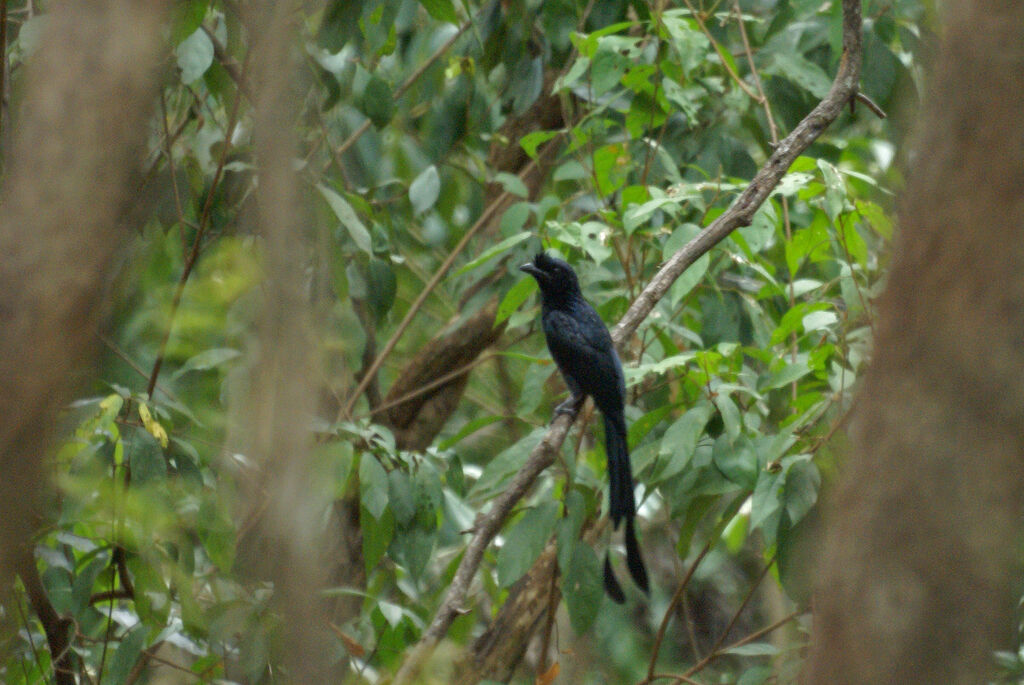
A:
(800, 71)
(512, 184)
(801, 490)
(767, 497)
(195, 55)
(425, 189)
(680, 440)
(494, 251)
(606, 70)
(412, 547)
(525, 541)
(373, 485)
(400, 497)
(442, 10)
(377, 101)
(730, 414)
(468, 429)
(582, 588)
(127, 654)
(786, 375)
(343, 210)
(835, 189)
(514, 298)
(816, 321)
(531, 141)
(500, 469)
(876, 218)
(377, 534)
(208, 359)
(736, 460)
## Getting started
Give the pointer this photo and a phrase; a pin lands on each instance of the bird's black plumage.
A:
(582, 348)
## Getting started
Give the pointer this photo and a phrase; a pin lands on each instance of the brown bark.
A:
(270, 424)
(921, 561)
(77, 144)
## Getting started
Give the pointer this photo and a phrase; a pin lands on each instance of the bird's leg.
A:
(571, 406)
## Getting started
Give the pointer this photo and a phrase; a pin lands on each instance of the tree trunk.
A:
(920, 570)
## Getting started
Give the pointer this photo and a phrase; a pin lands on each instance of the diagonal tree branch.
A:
(844, 90)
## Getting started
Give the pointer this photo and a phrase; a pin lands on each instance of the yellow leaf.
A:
(152, 425)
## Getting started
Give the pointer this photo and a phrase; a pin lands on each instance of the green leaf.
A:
(514, 298)
(514, 218)
(85, 579)
(606, 70)
(786, 375)
(146, 458)
(425, 189)
(383, 287)
(531, 141)
(730, 414)
(347, 216)
(525, 541)
(818, 321)
(800, 71)
(753, 649)
(501, 468)
(801, 490)
(512, 184)
(377, 101)
(373, 485)
(876, 218)
(680, 440)
(412, 547)
(468, 429)
(569, 527)
(766, 501)
(737, 461)
(835, 189)
(127, 654)
(582, 588)
(400, 497)
(494, 251)
(195, 55)
(442, 10)
(377, 535)
(208, 359)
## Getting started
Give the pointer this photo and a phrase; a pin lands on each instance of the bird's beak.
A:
(531, 269)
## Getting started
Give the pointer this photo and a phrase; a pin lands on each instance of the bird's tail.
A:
(622, 505)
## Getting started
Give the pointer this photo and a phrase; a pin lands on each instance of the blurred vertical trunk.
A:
(921, 576)
(272, 422)
(77, 144)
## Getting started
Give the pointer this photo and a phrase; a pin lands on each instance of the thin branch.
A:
(677, 598)
(484, 220)
(718, 48)
(871, 105)
(400, 91)
(736, 614)
(843, 90)
(756, 635)
(193, 255)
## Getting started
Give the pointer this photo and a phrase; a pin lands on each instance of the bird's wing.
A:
(582, 348)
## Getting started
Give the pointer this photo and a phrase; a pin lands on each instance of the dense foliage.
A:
(441, 145)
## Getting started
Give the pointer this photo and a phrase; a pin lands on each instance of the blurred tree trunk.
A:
(921, 576)
(76, 150)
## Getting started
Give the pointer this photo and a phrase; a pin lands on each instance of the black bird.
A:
(582, 348)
